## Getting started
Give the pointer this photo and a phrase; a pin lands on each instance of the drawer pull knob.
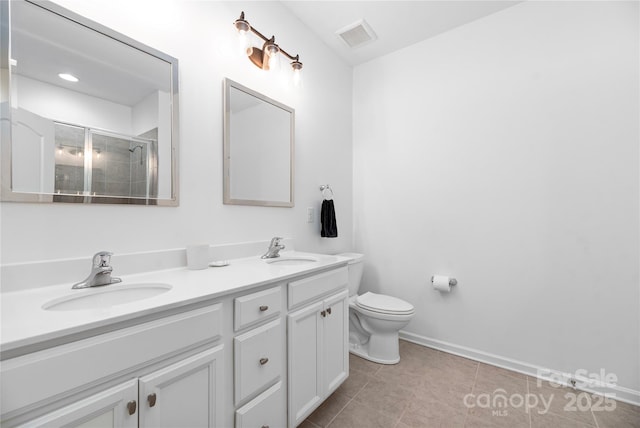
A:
(264, 308)
(329, 311)
(131, 407)
(323, 313)
(263, 361)
(152, 399)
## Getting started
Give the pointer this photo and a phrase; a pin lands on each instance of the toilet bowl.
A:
(374, 319)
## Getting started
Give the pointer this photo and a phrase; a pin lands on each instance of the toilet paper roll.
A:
(441, 283)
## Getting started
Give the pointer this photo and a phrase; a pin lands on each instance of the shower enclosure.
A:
(93, 162)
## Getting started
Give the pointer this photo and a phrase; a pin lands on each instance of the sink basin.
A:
(106, 296)
(291, 261)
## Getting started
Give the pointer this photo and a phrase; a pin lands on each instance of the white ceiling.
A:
(44, 44)
(397, 24)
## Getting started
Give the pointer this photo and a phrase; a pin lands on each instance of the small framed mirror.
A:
(88, 115)
(258, 148)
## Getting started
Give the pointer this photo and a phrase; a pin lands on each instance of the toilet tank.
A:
(355, 267)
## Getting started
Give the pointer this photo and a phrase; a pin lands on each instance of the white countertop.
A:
(25, 323)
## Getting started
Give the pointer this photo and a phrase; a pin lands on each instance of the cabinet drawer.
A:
(266, 410)
(308, 289)
(256, 307)
(258, 358)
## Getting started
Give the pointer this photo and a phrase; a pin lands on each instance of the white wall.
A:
(505, 153)
(54, 102)
(154, 111)
(144, 115)
(201, 35)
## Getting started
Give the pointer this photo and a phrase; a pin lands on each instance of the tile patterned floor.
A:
(429, 388)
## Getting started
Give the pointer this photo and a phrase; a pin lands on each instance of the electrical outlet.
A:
(310, 215)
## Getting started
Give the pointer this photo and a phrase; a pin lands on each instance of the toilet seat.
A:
(383, 304)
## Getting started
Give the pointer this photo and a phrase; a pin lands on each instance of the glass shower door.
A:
(91, 162)
(70, 151)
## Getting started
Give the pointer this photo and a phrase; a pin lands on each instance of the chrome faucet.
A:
(100, 272)
(274, 247)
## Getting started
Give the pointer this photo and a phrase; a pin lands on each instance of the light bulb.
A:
(297, 73)
(274, 62)
(245, 43)
(270, 58)
(243, 28)
(297, 78)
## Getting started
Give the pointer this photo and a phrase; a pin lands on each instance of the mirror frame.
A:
(6, 192)
(227, 199)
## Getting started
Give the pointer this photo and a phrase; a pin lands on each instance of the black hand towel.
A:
(328, 219)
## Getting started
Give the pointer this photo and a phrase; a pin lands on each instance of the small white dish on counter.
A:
(219, 263)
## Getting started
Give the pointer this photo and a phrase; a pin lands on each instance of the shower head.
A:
(139, 146)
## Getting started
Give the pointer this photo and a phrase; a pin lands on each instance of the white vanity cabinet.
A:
(260, 354)
(166, 372)
(182, 394)
(295, 368)
(317, 341)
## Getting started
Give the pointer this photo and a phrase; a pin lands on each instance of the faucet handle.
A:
(275, 241)
(102, 259)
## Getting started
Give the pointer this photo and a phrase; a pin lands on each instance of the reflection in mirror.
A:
(258, 148)
(88, 115)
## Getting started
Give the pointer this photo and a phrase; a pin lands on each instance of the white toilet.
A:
(374, 319)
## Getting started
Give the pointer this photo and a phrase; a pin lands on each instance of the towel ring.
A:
(324, 188)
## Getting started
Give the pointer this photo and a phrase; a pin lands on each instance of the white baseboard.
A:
(616, 392)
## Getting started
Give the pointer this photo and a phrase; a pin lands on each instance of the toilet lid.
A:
(384, 304)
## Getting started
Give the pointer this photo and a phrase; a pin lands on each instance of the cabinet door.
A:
(336, 342)
(186, 394)
(305, 354)
(113, 408)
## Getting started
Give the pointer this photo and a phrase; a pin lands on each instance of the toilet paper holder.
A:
(452, 281)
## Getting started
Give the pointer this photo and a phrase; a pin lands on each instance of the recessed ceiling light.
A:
(68, 77)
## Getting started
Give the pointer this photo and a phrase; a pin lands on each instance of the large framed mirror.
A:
(259, 135)
(88, 115)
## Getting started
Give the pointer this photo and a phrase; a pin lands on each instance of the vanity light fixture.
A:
(68, 77)
(267, 57)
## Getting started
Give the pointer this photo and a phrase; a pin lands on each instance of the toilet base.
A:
(362, 351)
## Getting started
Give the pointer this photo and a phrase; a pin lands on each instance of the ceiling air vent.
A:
(357, 34)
